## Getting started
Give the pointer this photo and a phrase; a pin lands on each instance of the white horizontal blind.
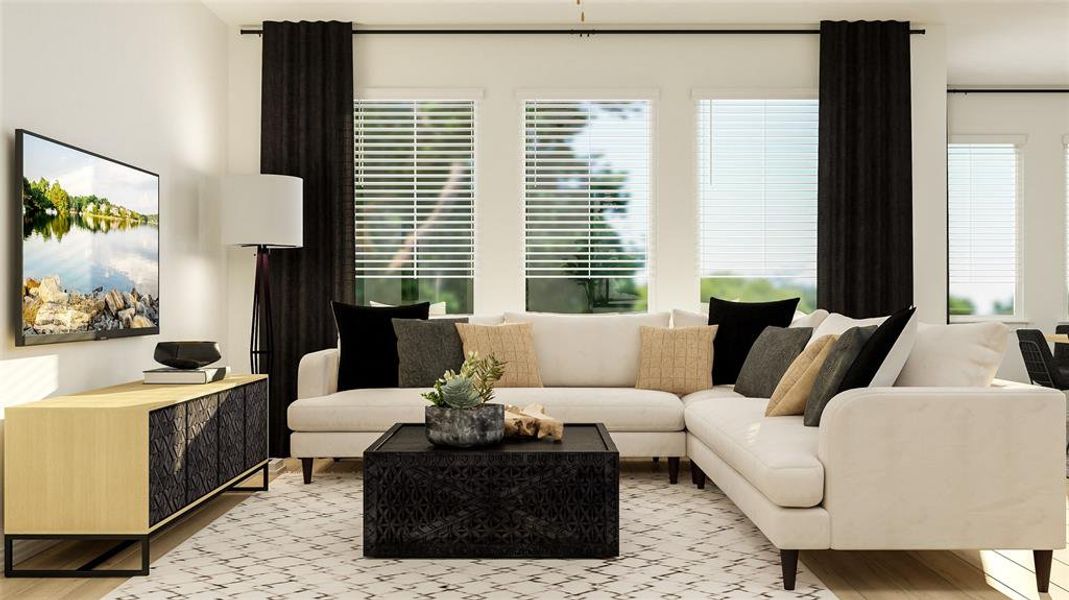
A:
(586, 188)
(757, 162)
(414, 188)
(982, 224)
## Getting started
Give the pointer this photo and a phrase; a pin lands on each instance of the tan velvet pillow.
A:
(793, 389)
(679, 360)
(511, 343)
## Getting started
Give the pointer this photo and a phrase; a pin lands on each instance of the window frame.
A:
(700, 94)
(1019, 303)
(427, 94)
(650, 95)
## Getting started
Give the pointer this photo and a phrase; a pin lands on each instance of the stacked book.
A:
(186, 376)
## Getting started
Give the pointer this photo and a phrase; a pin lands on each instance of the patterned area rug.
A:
(304, 541)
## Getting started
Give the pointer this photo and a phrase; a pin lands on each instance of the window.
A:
(982, 223)
(414, 188)
(586, 204)
(757, 165)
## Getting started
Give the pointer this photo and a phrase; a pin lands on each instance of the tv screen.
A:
(90, 244)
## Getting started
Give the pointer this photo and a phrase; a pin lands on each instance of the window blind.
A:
(414, 188)
(982, 227)
(757, 162)
(586, 188)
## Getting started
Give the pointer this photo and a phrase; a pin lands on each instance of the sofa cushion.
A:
(357, 410)
(829, 379)
(677, 360)
(368, 343)
(771, 355)
(620, 409)
(792, 391)
(884, 354)
(966, 355)
(837, 324)
(588, 350)
(426, 349)
(511, 344)
(714, 393)
(740, 324)
(777, 455)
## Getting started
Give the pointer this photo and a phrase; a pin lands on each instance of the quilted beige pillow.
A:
(511, 343)
(678, 360)
(793, 389)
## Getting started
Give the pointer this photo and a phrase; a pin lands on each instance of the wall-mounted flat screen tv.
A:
(90, 251)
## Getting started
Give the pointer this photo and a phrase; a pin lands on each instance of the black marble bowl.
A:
(186, 355)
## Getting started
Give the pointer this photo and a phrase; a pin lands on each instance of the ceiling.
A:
(1018, 42)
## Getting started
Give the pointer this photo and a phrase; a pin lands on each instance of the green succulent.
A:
(460, 392)
(472, 386)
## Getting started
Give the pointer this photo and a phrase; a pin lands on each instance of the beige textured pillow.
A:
(793, 389)
(511, 343)
(679, 360)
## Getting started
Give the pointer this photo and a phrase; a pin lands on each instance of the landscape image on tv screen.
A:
(90, 244)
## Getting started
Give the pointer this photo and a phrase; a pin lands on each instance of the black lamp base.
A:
(261, 341)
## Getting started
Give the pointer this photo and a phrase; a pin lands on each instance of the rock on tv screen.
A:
(90, 252)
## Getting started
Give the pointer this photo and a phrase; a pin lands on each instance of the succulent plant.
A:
(472, 386)
(460, 392)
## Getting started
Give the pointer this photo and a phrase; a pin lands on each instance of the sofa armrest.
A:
(317, 374)
(949, 468)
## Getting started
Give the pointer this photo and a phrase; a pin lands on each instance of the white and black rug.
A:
(304, 541)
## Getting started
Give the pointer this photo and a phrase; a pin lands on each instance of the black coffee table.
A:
(520, 499)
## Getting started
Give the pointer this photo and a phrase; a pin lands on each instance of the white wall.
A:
(498, 70)
(1044, 120)
(146, 84)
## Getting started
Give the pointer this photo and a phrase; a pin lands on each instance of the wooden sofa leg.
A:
(697, 475)
(673, 469)
(789, 562)
(656, 460)
(1042, 559)
(306, 469)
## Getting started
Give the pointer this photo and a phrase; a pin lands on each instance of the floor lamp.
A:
(264, 212)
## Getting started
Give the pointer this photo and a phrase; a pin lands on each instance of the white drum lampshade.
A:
(262, 210)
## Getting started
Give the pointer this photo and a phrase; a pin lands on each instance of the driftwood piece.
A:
(532, 422)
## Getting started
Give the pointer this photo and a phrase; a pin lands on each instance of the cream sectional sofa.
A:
(908, 467)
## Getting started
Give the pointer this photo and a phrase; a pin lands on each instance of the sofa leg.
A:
(306, 469)
(789, 563)
(1042, 559)
(673, 469)
(697, 475)
(656, 460)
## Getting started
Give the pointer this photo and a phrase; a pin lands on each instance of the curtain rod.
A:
(1008, 90)
(580, 32)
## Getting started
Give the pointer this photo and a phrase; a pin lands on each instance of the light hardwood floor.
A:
(928, 575)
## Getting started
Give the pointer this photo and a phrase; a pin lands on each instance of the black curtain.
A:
(865, 206)
(306, 130)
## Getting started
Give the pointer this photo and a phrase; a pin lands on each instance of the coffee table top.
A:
(578, 437)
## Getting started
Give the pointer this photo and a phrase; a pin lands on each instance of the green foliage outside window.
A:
(760, 289)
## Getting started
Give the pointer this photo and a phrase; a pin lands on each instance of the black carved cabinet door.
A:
(255, 423)
(231, 434)
(202, 446)
(167, 459)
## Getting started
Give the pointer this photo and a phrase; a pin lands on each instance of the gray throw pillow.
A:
(769, 358)
(426, 349)
(840, 358)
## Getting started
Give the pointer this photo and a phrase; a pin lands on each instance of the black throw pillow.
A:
(739, 325)
(875, 350)
(368, 343)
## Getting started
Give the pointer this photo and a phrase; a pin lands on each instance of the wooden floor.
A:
(851, 575)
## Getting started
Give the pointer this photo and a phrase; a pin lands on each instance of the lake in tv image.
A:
(90, 242)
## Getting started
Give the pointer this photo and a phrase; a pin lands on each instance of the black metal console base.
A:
(89, 569)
